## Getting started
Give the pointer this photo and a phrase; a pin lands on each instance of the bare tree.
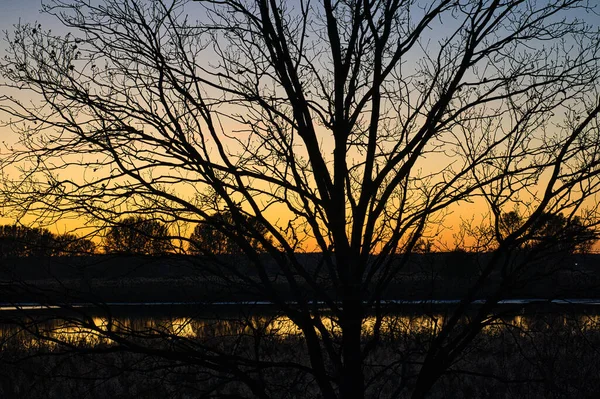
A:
(346, 128)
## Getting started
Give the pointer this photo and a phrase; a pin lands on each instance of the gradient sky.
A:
(28, 11)
(25, 10)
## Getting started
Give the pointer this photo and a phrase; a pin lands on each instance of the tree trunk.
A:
(430, 372)
(422, 388)
(352, 379)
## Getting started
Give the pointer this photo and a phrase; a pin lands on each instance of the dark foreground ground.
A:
(536, 355)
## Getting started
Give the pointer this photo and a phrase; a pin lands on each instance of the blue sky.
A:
(25, 11)
(12, 10)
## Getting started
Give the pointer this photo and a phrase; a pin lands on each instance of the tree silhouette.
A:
(553, 233)
(137, 235)
(206, 239)
(348, 129)
(19, 241)
(23, 241)
(71, 245)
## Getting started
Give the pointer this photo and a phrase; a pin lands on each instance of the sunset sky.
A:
(27, 11)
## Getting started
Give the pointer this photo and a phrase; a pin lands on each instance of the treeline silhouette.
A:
(135, 235)
(139, 235)
(23, 241)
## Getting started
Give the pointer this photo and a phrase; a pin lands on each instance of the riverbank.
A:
(177, 279)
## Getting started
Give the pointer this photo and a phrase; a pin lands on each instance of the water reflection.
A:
(96, 331)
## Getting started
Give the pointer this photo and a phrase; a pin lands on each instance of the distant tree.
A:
(21, 241)
(551, 233)
(562, 234)
(137, 235)
(424, 246)
(210, 239)
(509, 222)
(72, 245)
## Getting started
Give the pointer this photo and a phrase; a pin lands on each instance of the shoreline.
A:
(21, 306)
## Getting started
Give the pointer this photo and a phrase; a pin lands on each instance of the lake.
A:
(534, 350)
(83, 324)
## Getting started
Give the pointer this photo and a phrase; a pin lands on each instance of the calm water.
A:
(88, 326)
